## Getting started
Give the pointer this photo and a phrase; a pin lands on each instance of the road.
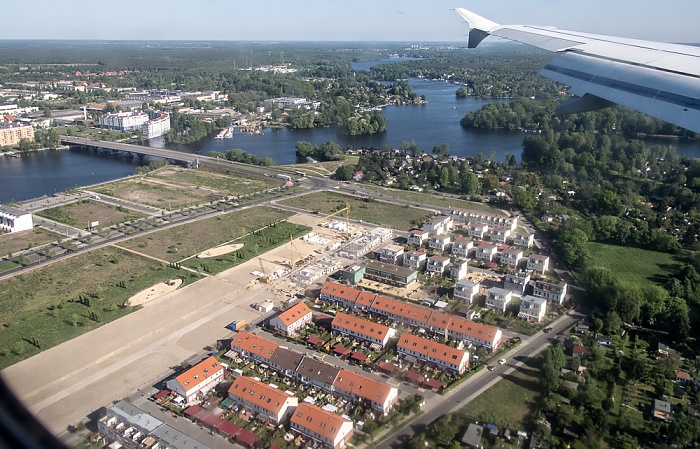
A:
(480, 382)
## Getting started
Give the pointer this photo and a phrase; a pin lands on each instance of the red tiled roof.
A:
(388, 367)
(228, 428)
(314, 340)
(161, 394)
(413, 376)
(359, 356)
(432, 383)
(247, 437)
(341, 350)
(211, 420)
(193, 411)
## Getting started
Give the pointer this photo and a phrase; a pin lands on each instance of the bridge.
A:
(188, 158)
(192, 160)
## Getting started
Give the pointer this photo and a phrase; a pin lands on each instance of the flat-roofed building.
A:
(437, 265)
(415, 260)
(392, 254)
(532, 309)
(458, 269)
(516, 281)
(500, 235)
(524, 239)
(10, 135)
(353, 273)
(486, 252)
(329, 429)
(15, 220)
(498, 299)
(198, 380)
(467, 216)
(462, 247)
(259, 398)
(553, 292)
(251, 346)
(439, 224)
(445, 357)
(363, 329)
(390, 274)
(511, 257)
(465, 290)
(477, 230)
(417, 237)
(293, 319)
(439, 242)
(362, 390)
(538, 263)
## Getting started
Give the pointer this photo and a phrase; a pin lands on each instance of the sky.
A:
(338, 20)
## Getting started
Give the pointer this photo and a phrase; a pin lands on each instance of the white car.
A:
(502, 361)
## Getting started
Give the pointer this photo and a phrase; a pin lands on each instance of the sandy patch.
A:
(219, 251)
(155, 292)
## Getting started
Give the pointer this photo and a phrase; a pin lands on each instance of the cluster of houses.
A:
(450, 327)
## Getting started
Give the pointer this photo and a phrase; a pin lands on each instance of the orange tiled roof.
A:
(361, 326)
(319, 421)
(258, 393)
(254, 344)
(362, 386)
(198, 373)
(432, 349)
(295, 313)
(340, 291)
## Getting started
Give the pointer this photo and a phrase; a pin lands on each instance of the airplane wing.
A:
(662, 80)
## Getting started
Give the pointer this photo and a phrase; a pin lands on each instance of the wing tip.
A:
(479, 27)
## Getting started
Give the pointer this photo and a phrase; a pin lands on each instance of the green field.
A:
(216, 183)
(433, 199)
(180, 242)
(511, 402)
(18, 241)
(80, 214)
(75, 296)
(634, 265)
(371, 211)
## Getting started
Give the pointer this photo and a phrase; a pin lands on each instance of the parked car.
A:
(502, 361)
(547, 330)
(490, 367)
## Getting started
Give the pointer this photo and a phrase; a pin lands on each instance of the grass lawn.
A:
(80, 214)
(155, 193)
(431, 198)
(180, 242)
(322, 168)
(378, 212)
(213, 181)
(511, 402)
(76, 295)
(19, 241)
(634, 265)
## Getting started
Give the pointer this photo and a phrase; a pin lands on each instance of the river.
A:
(435, 123)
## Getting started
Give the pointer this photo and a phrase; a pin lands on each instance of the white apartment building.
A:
(554, 292)
(461, 247)
(15, 220)
(538, 263)
(533, 309)
(498, 299)
(465, 290)
(415, 260)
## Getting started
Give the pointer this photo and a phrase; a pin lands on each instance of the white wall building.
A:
(197, 380)
(498, 299)
(465, 290)
(532, 309)
(15, 220)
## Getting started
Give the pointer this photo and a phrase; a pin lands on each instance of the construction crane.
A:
(293, 248)
(346, 209)
(265, 279)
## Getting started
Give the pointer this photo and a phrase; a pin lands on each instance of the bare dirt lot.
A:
(153, 193)
(215, 183)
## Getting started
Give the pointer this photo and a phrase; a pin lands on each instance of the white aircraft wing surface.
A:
(662, 80)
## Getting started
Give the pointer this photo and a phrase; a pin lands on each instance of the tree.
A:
(344, 173)
(574, 246)
(444, 430)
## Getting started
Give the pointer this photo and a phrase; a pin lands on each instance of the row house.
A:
(458, 269)
(498, 299)
(415, 260)
(533, 309)
(417, 237)
(359, 389)
(328, 429)
(198, 380)
(477, 230)
(538, 263)
(447, 358)
(553, 292)
(439, 242)
(251, 346)
(406, 314)
(511, 257)
(516, 281)
(500, 235)
(292, 320)
(316, 373)
(437, 265)
(390, 274)
(261, 399)
(465, 290)
(462, 247)
(366, 330)
(439, 224)
(285, 361)
(524, 239)
(465, 217)
(392, 254)
(486, 252)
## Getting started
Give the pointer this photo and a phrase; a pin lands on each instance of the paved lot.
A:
(62, 385)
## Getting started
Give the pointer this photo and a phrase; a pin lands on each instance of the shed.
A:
(248, 439)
